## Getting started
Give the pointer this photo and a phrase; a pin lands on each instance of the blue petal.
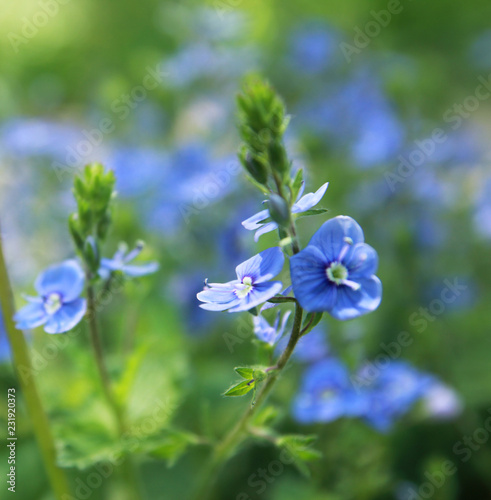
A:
(253, 223)
(263, 266)
(263, 330)
(66, 278)
(353, 303)
(362, 261)
(30, 316)
(219, 297)
(310, 283)
(284, 293)
(259, 294)
(330, 238)
(69, 315)
(112, 264)
(265, 228)
(310, 200)
(136, 270)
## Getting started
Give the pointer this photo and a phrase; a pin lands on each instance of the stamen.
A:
(244, 288)
(352, 284)
(52, 303)
(347, 243)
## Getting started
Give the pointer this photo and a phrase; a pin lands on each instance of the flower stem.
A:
(237, 435)
(23, 366)
(128, 466)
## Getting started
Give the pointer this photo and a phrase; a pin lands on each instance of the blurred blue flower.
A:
(252, 286)
(59, 306)
(480, 53)
(392, 391)
(441, 402)
(326, 394)
(120, 261)
(335, 272)
(314, 48)
(303, 203)
(270, 333)
(4, 343)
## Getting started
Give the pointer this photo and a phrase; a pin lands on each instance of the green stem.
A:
(237, 435)
(23, 366)
(128, 466)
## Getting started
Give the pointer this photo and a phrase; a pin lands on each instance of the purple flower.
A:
(59, 306)
(257, 222)
(120, 260)
(252, 286)
(270, 333)
(335, 272)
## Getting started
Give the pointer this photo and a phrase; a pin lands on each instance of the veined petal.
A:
(66, 278)
(310, 200)
(260, 293)
(263, 266)
(331, 237)
(217, 295)
(252, 223)
(219, 307)
(30, 316)
(136, 270)
(362, 261)
(353, 303)
(69, 315)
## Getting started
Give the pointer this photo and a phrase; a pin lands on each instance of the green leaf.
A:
(312, 320)
(241, 388)
(245, 372)
(169, 446)
(299, 447)
(265, 416)
(314, 211)
(297, 184)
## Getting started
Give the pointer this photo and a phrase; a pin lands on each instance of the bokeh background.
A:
(148, 88)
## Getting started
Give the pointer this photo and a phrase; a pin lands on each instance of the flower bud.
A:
(279, 210)
(91, 254)
(254, 167)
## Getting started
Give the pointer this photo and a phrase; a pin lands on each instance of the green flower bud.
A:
(256, 169)
(91, 254)
(73, 226)
(279, 211)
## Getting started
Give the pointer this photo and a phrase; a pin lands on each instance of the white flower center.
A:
(52, 303)
(337, 273)
(245, 288)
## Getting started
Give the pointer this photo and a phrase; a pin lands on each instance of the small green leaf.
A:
(245, 372)
(265, 416)
(241, 388)
(314, 211)
(254, 311)
(299, 447)
(311, 321)
(297, 184)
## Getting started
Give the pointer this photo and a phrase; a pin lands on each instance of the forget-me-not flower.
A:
(252, 286)
(120, 262)
(303, 203)
(335, 272)
(59, 306)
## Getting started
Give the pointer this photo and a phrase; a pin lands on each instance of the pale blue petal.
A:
(330, 238)
(112, 264)
(265, 228)
(353, 303)
(259, 294)
(310, 200)
(361, 262)
(69, 315)
(263, 266)
(217, 296)
(253, 223)
(30, 316)
(284, 293)
(137, 270)
(66, 278)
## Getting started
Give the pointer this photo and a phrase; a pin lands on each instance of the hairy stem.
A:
(23, 367)
(128, 466)
(236, 436)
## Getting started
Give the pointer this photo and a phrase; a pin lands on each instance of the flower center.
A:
(52, 303)
(245, 288)
(337, 273)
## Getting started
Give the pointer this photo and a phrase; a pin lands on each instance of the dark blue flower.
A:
(303, 203)
(252, 286)
(335, 272)
(270, 333)
(327, 394)
(120, 260)
(59, 306)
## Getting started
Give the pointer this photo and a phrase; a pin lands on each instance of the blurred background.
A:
(390, 103)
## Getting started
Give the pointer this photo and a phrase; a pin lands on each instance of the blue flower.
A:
(59, 306)
(270, 333)
(120, 260)
(335, 272)
(310, 348)
(327, 394)
(4, 343)
(303, 203)
(252, 286)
